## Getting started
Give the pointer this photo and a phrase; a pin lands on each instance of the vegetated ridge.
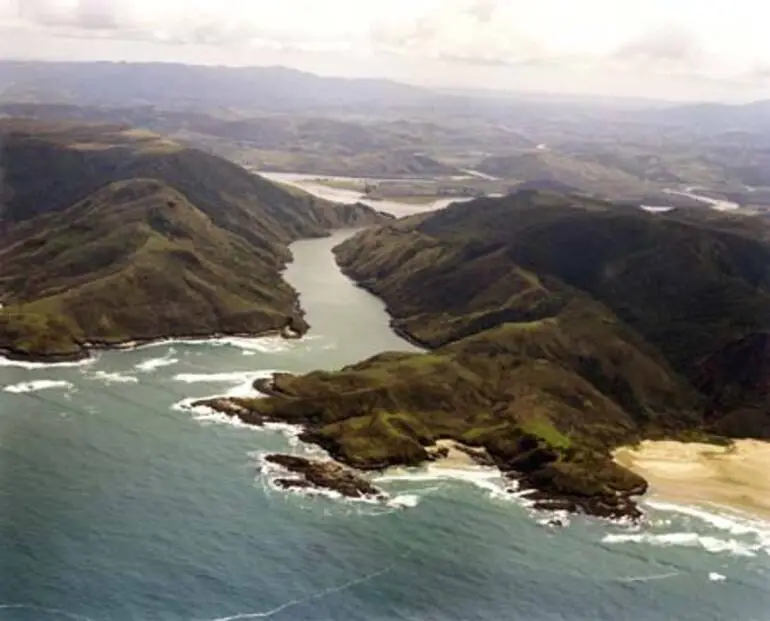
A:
(558, 328)
(110, 234)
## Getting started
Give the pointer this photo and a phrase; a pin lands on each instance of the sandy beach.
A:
(735, 477)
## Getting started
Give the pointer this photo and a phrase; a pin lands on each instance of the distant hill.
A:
(713, 118)
(558, 328)
(110, 234)
(274, 142)
(546, 166)
(177, 86)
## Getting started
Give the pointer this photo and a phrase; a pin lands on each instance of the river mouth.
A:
(118, 504)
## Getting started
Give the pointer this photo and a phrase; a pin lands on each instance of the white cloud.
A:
(664, 37)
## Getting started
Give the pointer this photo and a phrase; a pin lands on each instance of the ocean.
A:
(120, 503)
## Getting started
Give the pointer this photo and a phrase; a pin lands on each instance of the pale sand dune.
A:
(737, 476)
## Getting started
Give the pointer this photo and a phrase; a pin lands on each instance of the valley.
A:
(113, 236)
(283, 337)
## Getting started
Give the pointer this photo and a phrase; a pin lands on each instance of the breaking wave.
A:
(153, 364)
(34, 386)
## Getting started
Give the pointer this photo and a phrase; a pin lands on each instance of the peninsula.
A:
(557, 328)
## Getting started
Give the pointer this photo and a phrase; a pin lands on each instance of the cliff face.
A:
(559, 328)
(110, 234)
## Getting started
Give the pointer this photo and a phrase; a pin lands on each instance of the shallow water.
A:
(119, 504)
(309, 184)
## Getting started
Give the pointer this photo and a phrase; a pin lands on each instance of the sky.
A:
(670, 49)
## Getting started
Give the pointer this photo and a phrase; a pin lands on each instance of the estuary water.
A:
(120, 503)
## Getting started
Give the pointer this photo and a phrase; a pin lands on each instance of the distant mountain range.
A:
(176, 86)
(180, 86)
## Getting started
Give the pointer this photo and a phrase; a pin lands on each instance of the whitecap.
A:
(35, 385)
(207, 416)
(488, 479)
(148, 366)
(651, 578)
(250, 346)
(261, 345)
(728, 521)
(715, 577)
(22, 364)
(404, 501)
(112, 378)
(555, 518)
(686, 539)
(292, 434)
(242, 381)
(243, 386)
(734, 524)
(237, 377)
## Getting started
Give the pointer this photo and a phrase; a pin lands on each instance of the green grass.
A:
(545, 430)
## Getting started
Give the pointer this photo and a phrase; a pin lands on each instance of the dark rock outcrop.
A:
(323, 474)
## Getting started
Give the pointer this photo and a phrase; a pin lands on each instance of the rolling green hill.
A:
(110, 235)
(558, 328)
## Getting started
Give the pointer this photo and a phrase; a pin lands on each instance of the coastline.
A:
(732, 477)
(132, 344)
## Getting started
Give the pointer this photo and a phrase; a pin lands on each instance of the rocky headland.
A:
(558, 329)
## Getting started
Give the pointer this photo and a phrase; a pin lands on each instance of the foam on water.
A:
(242, 382)
(732, 522)
(250, 346)
(207, 416)
(21, 364)
(686, 539)
(715, 577)
(260, 345)
(242, 386)
(153, 364)
(35, 385)
(112, 378)
(292, 433)
(237, 377)
(487, 479)
(404, 501)
(652, 578)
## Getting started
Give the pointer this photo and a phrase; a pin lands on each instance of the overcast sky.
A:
(675, 49)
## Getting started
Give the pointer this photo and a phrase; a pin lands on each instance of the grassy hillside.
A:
(109, 235)
(558, 328)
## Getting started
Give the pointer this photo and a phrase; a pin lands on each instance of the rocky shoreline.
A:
(347, 479)
(322, 474)
(288, 332)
